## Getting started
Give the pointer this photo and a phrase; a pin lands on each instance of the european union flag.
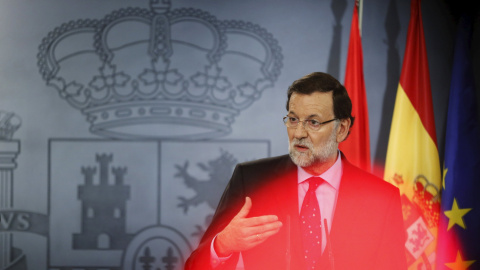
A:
(459, 224)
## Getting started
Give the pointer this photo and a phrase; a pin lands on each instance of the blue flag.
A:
(459, 222)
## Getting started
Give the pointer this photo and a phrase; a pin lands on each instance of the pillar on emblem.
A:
(9, 150)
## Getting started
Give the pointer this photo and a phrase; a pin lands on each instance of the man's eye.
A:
(293, 119)
(314, 123)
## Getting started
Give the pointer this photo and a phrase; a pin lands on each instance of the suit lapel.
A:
(285, 187)
(286, 195)
(347, 211)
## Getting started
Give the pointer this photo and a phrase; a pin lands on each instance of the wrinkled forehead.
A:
(307, 105)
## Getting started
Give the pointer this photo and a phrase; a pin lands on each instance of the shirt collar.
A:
(332, 176)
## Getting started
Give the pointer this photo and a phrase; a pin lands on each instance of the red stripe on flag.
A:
(415, 77)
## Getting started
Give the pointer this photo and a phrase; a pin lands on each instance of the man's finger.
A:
(266, 227)
(261, 237)
(245, 208)
(260, 220)
(266, 235)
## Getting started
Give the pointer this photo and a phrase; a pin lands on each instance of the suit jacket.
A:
(367, 228)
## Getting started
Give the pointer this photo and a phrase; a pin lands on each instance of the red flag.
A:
(357, 146)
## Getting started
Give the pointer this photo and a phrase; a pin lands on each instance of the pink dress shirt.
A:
(327, 194)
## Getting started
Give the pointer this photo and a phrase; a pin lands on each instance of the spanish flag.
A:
(412, 162)
(357, 146)
(459, 226)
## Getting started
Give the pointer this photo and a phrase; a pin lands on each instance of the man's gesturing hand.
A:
(244, 233)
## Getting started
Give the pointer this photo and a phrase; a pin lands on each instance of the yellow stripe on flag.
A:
(411, 151)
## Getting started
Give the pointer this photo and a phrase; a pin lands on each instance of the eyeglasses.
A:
(312, 124)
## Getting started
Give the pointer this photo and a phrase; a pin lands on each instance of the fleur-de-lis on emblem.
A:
(211, 79)
(109, 78)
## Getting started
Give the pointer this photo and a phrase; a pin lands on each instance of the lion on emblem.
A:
(210, 190)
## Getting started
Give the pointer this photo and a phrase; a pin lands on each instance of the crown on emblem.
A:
(427, 198)
(160, 73)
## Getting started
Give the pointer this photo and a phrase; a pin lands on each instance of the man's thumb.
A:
(245, 208)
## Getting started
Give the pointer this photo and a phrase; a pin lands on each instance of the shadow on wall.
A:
(392, 29)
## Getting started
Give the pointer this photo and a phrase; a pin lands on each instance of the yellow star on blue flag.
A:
(459, 263)
(455, 215)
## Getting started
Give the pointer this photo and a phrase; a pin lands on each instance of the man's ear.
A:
(343, 129)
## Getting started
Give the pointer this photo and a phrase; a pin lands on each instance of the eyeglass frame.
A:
(307, 120)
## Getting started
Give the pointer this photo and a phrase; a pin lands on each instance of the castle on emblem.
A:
(103, 208)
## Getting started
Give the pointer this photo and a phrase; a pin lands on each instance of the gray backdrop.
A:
(121, 121)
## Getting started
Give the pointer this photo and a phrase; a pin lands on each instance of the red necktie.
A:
(311, 224)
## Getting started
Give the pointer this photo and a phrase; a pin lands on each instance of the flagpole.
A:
(360, 15)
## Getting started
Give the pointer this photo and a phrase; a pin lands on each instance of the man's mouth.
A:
(301, 148)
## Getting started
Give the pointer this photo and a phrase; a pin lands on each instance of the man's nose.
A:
(300, 131)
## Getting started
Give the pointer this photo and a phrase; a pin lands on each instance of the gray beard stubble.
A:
(317, 155)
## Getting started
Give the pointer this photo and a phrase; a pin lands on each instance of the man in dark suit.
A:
(310, 209)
